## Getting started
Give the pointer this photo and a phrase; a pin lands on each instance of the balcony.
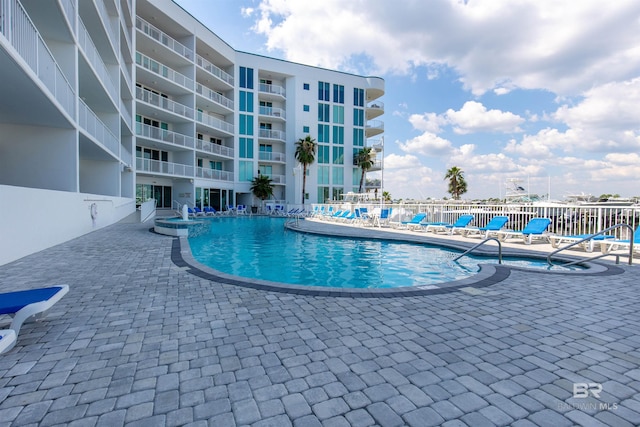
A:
(163, 71)
(214, 71)
(214, 96)
(270, 134)
(270, 112)
(163, 135)
(163, 38)
(219, 150)
(375, 109)
(373, 128)
(271, 91)
(91, 124)
(376, 165)
(277, 179)
(165, 168)
(214, 122)
(272, 157)
(161, 102)
(214, 174)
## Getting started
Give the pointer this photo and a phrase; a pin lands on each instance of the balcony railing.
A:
(163, 71)
(272, 157)
(376, 104)
(272, 112)
(110, 23)
(167, 168)
(214, 148)
(164, 135)
(17, 27)
(214, 174)
(94, 58)
(69, 7)
(272, 89)
(163, 38)
(271, 134)
(213, 70)
(154, 99)
(375, 125)
(126, 113)
(214, 96)
(214, 122)
(277, 179)
(89, 122)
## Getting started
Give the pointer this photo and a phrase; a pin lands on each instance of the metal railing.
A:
(599, 233)
(168, 168)
(214, 96)
(89, 122)
(93, 56)
(153, 132)
(480, 244)
(213, 70)
(212, 148)
(271, 88)
(155, 99)
(162, 70)
(214, 122)
(163, 38)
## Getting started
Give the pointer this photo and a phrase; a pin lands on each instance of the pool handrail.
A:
(480, 244)
(601, 232)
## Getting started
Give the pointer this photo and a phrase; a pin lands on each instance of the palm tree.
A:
(306, 155)
(365, 162)
(261, 187)
(386, 196)
(457, 184)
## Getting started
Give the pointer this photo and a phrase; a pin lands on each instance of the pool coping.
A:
(489, 274)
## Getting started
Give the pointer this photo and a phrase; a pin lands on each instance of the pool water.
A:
(261, 248)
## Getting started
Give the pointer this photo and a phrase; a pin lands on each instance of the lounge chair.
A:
(197, 211)
(22, 305)
(209, 211)
(241, 210)
(383, 219)
(535, 229)
(460, 223)
(412, 223)
(587, 245)
(609, 245)
(491, 229)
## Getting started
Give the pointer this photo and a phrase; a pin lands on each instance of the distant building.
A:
(103, 107)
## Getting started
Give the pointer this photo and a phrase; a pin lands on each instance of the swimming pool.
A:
(261, 248)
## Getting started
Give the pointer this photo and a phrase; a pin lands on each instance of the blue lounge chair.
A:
(460, 223)
(412, 223)
(22, 305)
(493, 226)
(535, 229)
(209, 211)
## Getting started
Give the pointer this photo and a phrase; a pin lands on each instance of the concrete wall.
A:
(32, 219)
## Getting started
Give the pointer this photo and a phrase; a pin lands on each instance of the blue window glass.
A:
(305, 108)
(305, 129)
(358, 97)
(338, 94)
(246, 77)
(305, 86)
(323, 91)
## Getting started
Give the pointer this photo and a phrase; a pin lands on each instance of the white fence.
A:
(565, 219)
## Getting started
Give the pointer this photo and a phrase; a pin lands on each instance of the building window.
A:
(246, 124)
(305, 108)
(355, 177)
(323, 91)
(323, 133)
(266, 170)
(358, 137)
(323, 153)
(305, 86)
(246, 148)
(337, 193)
(338, 155)
(323, 112)
(246, 171)
(338, 135)
(305, 129)
(358, 117)
(246, 101)
(358, 97)
(323, 175)
(338, 94)
(338, 114)
(246, 77)
(323, 194)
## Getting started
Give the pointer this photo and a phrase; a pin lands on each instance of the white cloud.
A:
(474, 117)
(562, 46)
(427, 144)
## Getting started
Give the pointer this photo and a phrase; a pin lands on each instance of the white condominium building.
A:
(107, 104)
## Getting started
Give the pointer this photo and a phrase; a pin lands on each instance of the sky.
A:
(542, 91)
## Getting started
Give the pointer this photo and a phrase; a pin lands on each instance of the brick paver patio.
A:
(141, 341)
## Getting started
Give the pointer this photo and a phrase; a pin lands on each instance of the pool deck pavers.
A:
(140, 341)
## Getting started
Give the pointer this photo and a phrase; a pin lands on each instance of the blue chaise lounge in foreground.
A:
(535, 229)
(22, 305)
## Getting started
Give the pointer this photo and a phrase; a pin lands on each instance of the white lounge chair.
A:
(22, 305)
(7, 340)
(535, 229)
(588, 245)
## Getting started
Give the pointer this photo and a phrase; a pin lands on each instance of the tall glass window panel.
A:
(323, 112)
(338, 155)
(323, 154)
(338, 94)
(338, 114)
(246, 148)
(355, 178)
(246, 124)
(338, 176)
(323, 133)
(246, 101)
(323, 194)
(323, 175)
(358, 137)
(338, 135)
(358, 117)
(323, 91)
(245, 170)
(246, 77)
(337, 193)
(358, 97)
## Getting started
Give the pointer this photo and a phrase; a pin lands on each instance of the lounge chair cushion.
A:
(12, 302)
